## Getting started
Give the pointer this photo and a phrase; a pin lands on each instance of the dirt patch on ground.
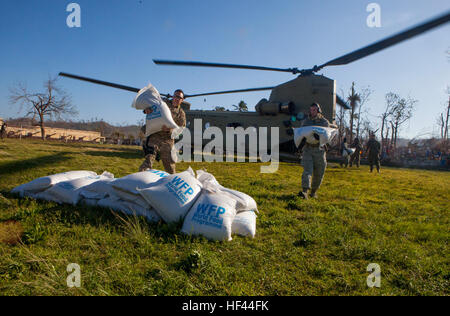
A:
(10, 232)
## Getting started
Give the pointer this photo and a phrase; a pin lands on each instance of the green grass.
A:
(398, 219)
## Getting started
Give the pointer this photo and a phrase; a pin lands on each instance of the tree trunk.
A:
(396, 134)
(41, 124)
(392, 134)
(446, 121)
(352, 105)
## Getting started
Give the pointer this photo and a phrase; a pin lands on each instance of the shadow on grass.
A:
(119, 153)
(83, 215)
(23, 165)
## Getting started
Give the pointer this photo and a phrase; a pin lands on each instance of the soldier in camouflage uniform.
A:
(373, 149)
(162, 142)
(314, 159)
(345, 160)
(356, 156)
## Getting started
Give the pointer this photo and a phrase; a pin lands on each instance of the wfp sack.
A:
(69, 191)
(212, 215)
(149, 97)
(244, 201)
(89, 202)
(43, 183)
(326, 135)
(173, 196)
(348, 152)
(98, 190)
(129, 208)
(244, 224)
(125, 187)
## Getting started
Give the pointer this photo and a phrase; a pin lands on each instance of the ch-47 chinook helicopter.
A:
(289, 101)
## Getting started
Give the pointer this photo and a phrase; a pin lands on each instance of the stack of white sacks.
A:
(206, 207)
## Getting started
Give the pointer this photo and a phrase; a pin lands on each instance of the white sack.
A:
(149, 97)
(89, 202)
(173, 196)
(244, 201)
(348, 152)
(129, 208)
(211, 216)
(125, 187)
(244, 224)
(43, 183)
(326, 135)
(69, 191)
(98, 190)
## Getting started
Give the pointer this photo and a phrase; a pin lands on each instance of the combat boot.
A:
(313, 194)
(303, 194)
(147, 164)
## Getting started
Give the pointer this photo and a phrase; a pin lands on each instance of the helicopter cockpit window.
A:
(207, 125)
(188, 124)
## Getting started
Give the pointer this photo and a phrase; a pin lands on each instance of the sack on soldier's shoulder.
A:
(149, 97)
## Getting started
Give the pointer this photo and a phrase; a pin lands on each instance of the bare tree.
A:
(448, 115)
(364, 97)
(391, 101)
(366, 129)
(441, 123)
(53, 102)
(354, 98)
(340, 116)
(401, 113)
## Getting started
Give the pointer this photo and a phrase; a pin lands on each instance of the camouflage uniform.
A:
(314, 159)
(373, 149)
(356, 156)
(163, 143)
(345, 160)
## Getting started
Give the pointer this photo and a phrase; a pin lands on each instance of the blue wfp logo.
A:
(180, 189)
(209, 215)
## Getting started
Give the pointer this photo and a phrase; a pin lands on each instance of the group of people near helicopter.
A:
(314, 159)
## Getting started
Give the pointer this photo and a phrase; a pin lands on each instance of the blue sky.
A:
(118, 40)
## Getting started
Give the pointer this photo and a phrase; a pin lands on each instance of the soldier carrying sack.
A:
(162, 142)
(314, 159)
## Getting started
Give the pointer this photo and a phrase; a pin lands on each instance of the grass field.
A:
(398, 219)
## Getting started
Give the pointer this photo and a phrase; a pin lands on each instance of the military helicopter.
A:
(288, 102)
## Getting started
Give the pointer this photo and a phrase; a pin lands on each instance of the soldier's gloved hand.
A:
(317, 137)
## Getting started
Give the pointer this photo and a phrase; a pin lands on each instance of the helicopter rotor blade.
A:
(203, 64)
(105, 83)
(229, 91)
(388, 42)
